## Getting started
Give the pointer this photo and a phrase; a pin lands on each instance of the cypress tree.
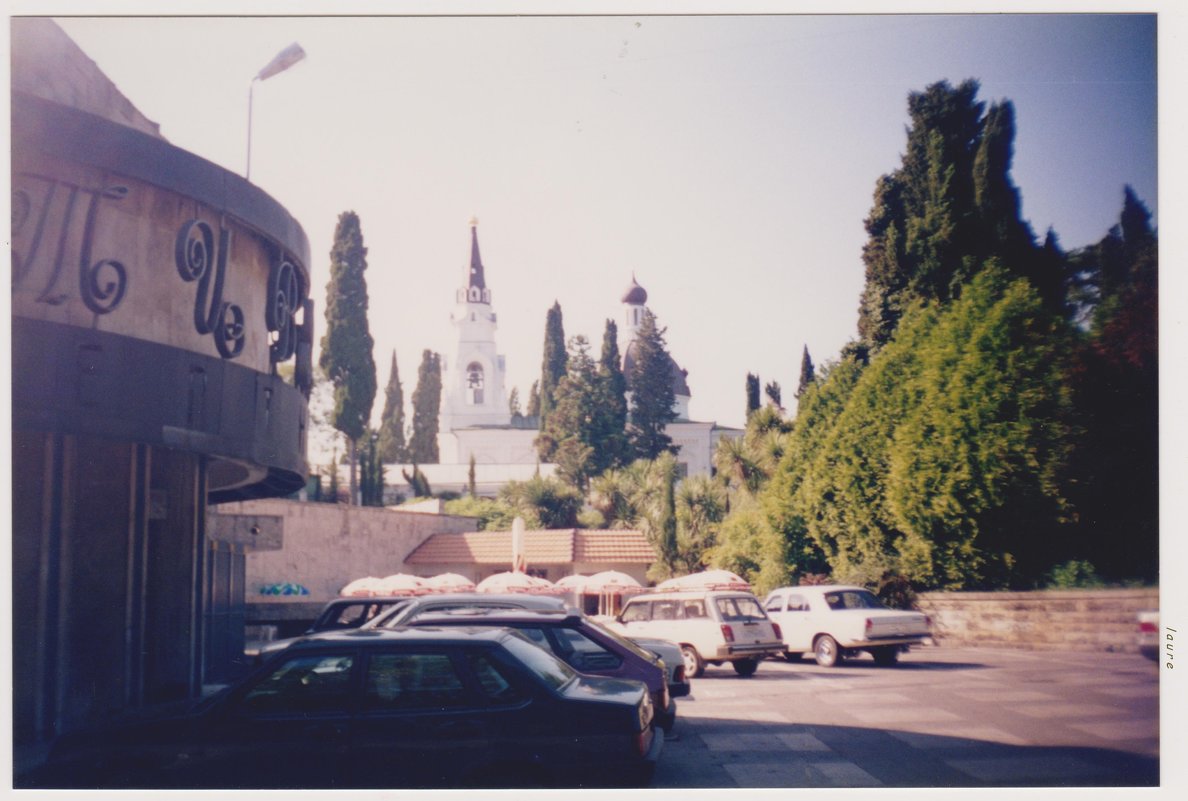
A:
(652, 395)
(346, 346)
(772, 390)
(572, 430)
(552, 370)
(752, 394)
(612, 444)
(471, 479)
(426, 399)
(513, 404)
(391, 445)
(806, 373)
(533, 409)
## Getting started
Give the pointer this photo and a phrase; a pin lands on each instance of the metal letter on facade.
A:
(198, 260)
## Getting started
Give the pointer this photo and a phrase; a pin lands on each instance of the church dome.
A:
(635, 294)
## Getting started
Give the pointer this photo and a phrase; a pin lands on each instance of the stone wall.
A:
(325, 546)
(1073, 620)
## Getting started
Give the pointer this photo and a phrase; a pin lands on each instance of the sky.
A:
(726, 161)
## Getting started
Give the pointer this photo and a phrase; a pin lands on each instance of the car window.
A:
(797, 603)
(493, 679)
(665, 610)
(541, 663)
(413, 681)
(536, 635)
(852, 599)
(617, 637)
(775, 604)
(387, 615)
(740, 609)
(693, 609)
(636, 611)
(310, 684)
(583, 653)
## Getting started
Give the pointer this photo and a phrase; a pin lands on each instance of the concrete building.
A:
(154, 296)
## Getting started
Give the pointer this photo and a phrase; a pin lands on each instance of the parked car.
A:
(336, 615)
(668, 652)
(711, 627)
(834, 621)
(423, 707)
(1148, 633)
(582, 643)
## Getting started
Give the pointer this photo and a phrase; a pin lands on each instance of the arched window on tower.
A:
(474, 384)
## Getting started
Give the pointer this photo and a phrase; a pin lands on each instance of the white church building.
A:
(476, 421)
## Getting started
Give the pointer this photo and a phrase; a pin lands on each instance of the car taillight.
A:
(1147, 627)
(643, 741)
(869, 625)
(928, 621)
(775, 627)
(679, 675)
(727, 632)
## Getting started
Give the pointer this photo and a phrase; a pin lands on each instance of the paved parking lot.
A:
(944, 717)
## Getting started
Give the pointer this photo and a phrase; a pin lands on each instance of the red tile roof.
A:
(552, 546)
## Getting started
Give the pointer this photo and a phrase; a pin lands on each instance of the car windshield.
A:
(619, 638)
(740, 608)
(852, 599)
(551, 670)
(383, 618)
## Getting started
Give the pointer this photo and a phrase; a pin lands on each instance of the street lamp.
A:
(284, 59)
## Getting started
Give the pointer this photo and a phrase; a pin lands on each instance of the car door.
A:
(290, 727)
(420, 721)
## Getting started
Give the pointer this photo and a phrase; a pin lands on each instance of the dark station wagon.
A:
(413, 708)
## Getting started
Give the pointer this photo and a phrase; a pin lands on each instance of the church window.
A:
(474, 384)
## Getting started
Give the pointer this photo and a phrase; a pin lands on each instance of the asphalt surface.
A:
(943, 717)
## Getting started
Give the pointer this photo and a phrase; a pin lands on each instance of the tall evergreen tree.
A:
(391, 434)
(551, 372)
(806, 373)
(652, 395)
(772, 390)
(613, 448)
(752, 394)
(533, 408)
(1116, 386)
(426, 399)
(371, 482)
(513, 404)
(571, 432)
(346, 355)
(947, 211)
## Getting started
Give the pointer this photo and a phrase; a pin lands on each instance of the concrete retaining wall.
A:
(326, 546)
(1072, 620)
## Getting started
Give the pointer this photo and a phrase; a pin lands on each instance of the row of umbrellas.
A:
(606, 582)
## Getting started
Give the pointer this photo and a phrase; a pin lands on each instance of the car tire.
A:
(792, 656)
(694, 664)
(827, 652)
(886, 655)
(745, 667)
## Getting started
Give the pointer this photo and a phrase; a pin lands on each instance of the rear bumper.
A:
(679, 690)
(748, 650)
(665, 719)
(875, 642)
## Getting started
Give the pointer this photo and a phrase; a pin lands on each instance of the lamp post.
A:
(284, 59)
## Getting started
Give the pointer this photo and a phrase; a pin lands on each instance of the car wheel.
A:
(826, 651)
(745, 667)
(790, 656)
(694, 664)
(886, 655)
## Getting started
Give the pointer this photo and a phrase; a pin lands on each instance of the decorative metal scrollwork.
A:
(284, 300)
(197, 259)
(101, 284)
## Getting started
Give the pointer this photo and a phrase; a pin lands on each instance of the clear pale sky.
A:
(728, 161)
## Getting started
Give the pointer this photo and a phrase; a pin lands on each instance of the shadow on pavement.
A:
(717, 752)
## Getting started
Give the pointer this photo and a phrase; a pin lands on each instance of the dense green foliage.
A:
(613, 448)
(493, 513)
(543, 502)
(371, 471)
(995, 425)
(346, 346)
(652, 395)
(391, 433)
(426, 400)
(752, 394)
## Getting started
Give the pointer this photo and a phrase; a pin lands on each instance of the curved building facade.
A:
(157, 302)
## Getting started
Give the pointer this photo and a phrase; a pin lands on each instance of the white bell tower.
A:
(473, 381)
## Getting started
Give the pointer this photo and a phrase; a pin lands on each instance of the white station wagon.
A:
(833, 621)
(711, 627)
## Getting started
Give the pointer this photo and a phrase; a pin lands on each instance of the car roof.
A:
(819, 588)
(381, 637)
(368, 599)
(658, 596)
(498, 616)
(519, 598)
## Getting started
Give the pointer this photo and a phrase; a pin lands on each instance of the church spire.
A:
(476, 279)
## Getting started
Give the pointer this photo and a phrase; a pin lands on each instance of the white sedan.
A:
(833, 621)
